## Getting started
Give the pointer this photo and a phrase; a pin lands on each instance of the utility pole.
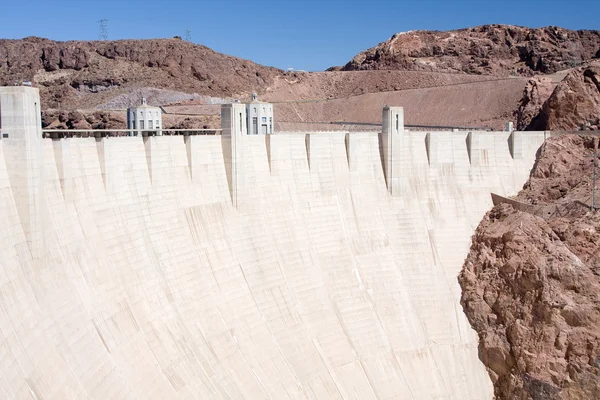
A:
(188, 35)
(103, 31)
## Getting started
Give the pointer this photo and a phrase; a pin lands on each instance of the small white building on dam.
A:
(144, 119)
(260, 117)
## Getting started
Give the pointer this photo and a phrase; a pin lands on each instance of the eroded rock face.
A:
(574, 104)
(536, 92)
(64, 57)
(488, 49)
(531, 284)
(55, 119)
(189, 123)
(62, 70)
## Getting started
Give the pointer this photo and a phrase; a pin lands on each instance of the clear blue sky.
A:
(303, 34)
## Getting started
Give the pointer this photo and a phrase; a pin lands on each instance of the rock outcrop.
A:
(113, 75)
(115, 119)
(54, 119)
(531, 283)
(65, 70)
(488, 49)
(537, 90)
(574, 104)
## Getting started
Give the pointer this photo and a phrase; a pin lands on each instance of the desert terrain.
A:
(479, 77)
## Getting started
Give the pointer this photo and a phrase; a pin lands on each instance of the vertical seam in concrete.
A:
(382, 158)
(428, 147)
(390, 163)
(100, 150)
(347, 143)
(468, 141)
(307, 144)
(269, 156)
(234, 170)
(511, 144)
(188, 151)
(148, 150)
(57, 147)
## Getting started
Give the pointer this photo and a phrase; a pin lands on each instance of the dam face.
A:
(293, 266)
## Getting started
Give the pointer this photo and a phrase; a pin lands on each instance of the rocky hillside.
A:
(531, 283)
(573, 105)
(84, 74)
(537, 90)
(77, 120)
(488, 49)
(89, 77)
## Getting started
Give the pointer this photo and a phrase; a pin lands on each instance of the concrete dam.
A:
(284, 266)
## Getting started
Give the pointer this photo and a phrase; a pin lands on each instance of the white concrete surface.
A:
(21, 121)
(144, 118)
(310, 282)
(260, 118)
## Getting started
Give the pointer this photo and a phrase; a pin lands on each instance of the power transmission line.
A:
(103, 32)
(188, 35)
